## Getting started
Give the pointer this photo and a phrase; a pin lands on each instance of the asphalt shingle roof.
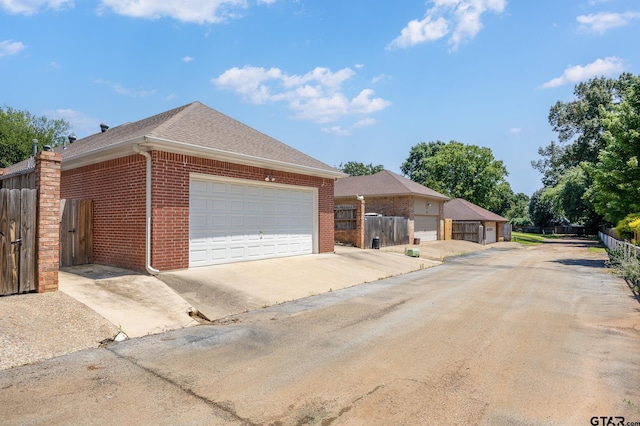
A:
(194, 124)
(459, 209)
(382, 183)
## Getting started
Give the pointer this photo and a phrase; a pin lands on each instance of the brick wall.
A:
(47, 182)
(390, 206)
(118, 190)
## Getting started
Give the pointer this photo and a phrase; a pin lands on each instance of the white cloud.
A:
(316, 95)
(30, 7)
(10, 47)
(337, 130)
(460, 18)
(121, 90)
(515, 130)
(187, 59)
(381, 77)
(601, 22)
(600, 67)
(80, 124)
(193, 11)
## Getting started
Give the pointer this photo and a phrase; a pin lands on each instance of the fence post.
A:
(360, 223)
(48, 220)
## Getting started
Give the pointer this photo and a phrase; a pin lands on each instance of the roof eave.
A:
(106, 153)
(396, 194)
(232, 157)
(125, 148)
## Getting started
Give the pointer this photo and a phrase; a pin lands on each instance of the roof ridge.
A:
(174, 115)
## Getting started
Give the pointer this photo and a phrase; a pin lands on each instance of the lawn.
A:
(527, 239)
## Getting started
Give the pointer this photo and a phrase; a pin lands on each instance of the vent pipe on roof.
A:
(72, 139)
(35, 146)
(104, 127)
(46, 148)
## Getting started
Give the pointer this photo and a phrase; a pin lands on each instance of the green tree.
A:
(540, 209)
(457, 170)
(580, 125)
(19, 128)
(518, 212)
(354, 168)
(570, 199)
(616, 175)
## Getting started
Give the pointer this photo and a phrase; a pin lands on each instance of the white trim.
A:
(150, 269)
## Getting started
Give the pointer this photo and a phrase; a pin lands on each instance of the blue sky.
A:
(341, 80)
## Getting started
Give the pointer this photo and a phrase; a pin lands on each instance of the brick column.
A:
(48, 221)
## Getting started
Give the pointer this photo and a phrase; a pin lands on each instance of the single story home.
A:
(192, 187)
(462, 211)
(389, 194)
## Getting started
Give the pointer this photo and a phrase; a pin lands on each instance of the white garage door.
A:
(232, 221)
(490, 232)
(425, 227)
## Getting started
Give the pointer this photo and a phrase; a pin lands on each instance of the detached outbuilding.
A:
(193, 187)
(471, 222)
(388, 194)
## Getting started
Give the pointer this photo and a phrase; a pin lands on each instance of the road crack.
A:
(221, 408)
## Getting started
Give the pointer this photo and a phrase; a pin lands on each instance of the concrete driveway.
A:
(140, 304)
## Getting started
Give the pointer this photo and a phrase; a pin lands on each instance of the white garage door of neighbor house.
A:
(425, 227)
(490, 232)
(232, 221)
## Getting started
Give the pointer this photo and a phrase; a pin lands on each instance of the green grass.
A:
(527, 239)
(599, 249)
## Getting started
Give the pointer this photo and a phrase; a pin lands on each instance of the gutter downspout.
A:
(150, 269)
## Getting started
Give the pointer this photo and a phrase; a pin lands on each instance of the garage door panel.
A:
(425, 227)
(231, 221)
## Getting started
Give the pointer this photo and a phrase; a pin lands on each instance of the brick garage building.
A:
(192, 187)
(390, 194)
(461, 211)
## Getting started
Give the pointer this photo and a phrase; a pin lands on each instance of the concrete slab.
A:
(138, 304)
(222, 290)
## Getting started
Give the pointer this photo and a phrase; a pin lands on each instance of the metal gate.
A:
(17, 240)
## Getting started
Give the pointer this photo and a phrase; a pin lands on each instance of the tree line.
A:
(590, 174)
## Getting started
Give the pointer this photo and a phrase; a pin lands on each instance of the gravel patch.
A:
(35, 327)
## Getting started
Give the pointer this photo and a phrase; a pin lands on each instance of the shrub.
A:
(628, 226)
(629, 269)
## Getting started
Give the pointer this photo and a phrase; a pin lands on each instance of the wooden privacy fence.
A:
(76, 232)
(17, 240)
(467, 231)
(391, 230)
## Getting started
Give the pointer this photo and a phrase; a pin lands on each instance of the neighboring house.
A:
(192, 187)
(463, 211)
(390, 194)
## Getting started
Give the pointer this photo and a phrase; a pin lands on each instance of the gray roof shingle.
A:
(197, 125)
(383, 183)
(459, 209)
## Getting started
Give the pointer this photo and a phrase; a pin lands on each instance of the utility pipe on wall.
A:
(148, 266)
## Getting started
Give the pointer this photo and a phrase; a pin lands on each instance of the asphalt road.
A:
(532, 336)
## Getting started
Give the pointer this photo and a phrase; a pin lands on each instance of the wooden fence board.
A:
(17, 240)
(467, 231)
(76, 232)
(390, 230)
(5, 243)
(14, 235)
(28, 203)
